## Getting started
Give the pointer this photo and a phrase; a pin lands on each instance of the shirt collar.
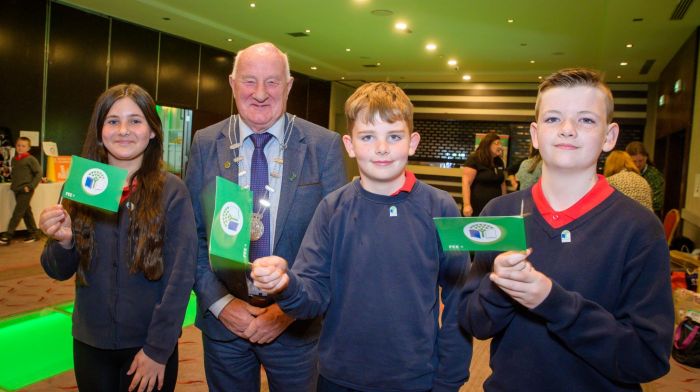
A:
(556, 219)
(21, 156)
(276, 130)
(408, 183)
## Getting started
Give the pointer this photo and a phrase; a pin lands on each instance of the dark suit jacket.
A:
(313, 167)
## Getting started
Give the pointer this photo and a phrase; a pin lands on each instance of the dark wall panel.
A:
(298, 97)
(214, 91)
(318, 107)
(133, 56)
(177, 80)
(76, 75)
(21, 64)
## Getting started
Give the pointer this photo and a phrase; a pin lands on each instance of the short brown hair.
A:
(574, 77)
(25, 139)
(617, 161)
(386, 100)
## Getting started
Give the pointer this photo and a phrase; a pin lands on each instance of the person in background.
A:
(623, 175)
(640, 156)
(241, 327)
(372, 263)
(588, 306)
(26, 176)
(530, 169)
(134, 269)
(483, 175)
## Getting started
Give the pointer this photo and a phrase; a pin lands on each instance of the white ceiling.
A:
(552, 33)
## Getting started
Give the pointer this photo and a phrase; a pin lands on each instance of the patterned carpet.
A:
(24, 287)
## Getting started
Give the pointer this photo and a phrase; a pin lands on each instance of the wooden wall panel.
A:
(177, 77)
(133, 55)
(76, 74)
(215, 93)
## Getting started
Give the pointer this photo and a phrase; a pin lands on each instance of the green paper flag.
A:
(94, 183)
(482, 233)
(229, 238)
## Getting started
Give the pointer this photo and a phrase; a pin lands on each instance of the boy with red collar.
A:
(26, 175)
(588, 307)
(372, 264)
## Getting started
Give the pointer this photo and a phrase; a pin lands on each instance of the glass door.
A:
(177, 131)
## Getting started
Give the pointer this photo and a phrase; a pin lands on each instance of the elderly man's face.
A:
(260, 88)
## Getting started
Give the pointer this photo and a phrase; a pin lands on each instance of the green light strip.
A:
(39, 345)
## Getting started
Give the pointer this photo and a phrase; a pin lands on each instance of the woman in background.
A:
(623, 175)
(483, 175)
(530, 169)
(651, 174)
(135, 268)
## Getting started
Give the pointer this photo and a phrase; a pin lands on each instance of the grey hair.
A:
(263, 46)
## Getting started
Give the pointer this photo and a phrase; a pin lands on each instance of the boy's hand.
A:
(55, 222)
(516, 276)
(269, 274)
(467, 210)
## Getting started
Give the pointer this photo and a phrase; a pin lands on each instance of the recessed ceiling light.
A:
(342, 78)
(166, 18)
(401, 26)
(378, 64)
(451, 62)
(314, 68)
(511, 20)
(623, 63)
(252, 5)
(466, 77)
(532, 61)
(307, 31)
(628, 45)
(539, 77)
(347, 49)
(619, 76)
(431, 46)
(229, 39)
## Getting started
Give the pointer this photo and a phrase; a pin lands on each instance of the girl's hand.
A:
(55, 222)
(147, 373)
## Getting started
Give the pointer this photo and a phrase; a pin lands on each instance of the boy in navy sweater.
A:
(372, 264)
(588, 307)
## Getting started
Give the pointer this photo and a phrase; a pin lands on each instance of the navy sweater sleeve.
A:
(454, 345)
(308, 293)
(59, 263)
(179, 251)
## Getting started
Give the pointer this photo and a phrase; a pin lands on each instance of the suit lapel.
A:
(291, 171)
(226, 167)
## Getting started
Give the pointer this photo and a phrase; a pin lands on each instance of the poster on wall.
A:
(32, 135)
(504, 142)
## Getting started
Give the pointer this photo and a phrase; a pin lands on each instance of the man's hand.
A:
(147, 373)
(237, 316)
(516, 276)
(268, 326)
(270, 274)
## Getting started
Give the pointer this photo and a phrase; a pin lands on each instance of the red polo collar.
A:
(407, 184)
(556, 219)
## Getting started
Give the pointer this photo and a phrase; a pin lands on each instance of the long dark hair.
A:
(145, 240)
(483, 152)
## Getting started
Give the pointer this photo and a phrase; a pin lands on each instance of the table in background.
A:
(46, 194)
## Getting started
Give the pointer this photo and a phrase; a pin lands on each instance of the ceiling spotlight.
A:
(466, 77)
(229, 39)
(313, 68)
(378, 64)
(252, 5)
(532, 61)
(619, 76)
(451, 62)
(628, 45)
(401, 26)
(431, 47)
(307, 31)
(511, 20)
(342, 78)
(539, 77)
(623, 63)
(347, 49)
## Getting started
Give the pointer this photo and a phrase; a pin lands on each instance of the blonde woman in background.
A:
(623, 175)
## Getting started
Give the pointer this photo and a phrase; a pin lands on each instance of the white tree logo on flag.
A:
(231, 218)
(482, 232)
(94, 181)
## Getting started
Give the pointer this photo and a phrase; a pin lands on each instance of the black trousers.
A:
(102, 370)
(22, 211)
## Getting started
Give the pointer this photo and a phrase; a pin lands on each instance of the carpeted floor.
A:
(24, 287)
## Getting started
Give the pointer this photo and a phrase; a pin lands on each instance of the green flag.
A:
(229, 236)
(94, 183)
(482, 233)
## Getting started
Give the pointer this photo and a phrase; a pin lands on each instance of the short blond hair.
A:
(386, 100)
(618, 161)
(574, 77)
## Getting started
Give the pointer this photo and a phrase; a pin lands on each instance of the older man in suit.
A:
(301, 163)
